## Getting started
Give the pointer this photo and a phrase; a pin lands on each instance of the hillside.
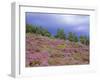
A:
(45, 51)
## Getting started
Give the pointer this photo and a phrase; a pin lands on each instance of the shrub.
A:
(75, 38)
(84, 40)
(29, 28)
(37, 30)
(72, 37)
(60, 34)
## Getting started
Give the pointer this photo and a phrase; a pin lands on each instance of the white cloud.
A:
(81, 28)
(76, 22)
(74, 19)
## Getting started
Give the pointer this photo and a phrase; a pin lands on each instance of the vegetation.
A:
(60, 34)
(72, 37)
(37, 30)
(84, 40)
(29, 28)
(45, 51)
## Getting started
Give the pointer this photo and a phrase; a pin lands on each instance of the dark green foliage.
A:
(75, 38)
(87, 41)
(72, 37)
(37, 30)
(84, 40)
(44, 32)
(60, 34)
(29, 28)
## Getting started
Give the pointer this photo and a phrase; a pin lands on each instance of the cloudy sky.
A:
(78, 24)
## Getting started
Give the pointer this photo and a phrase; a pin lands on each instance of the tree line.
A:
(60, 34)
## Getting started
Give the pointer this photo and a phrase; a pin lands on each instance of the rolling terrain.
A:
(45, 51)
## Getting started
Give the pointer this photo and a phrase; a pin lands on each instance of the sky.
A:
(78, 24)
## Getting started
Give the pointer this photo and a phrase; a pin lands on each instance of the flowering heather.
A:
(45, 51)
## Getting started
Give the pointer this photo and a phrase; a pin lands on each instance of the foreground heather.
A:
(44, 51)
